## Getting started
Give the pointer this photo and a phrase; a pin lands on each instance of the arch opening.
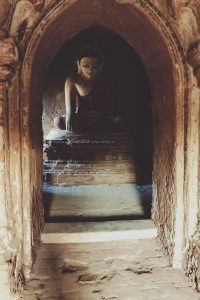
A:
(125, 96)
(160, 64)
(127, 91)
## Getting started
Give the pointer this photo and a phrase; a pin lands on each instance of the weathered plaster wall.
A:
(11, 228)
(184, 16)
(192, 208)
(21, 216)
(39, 28)
(187, 17)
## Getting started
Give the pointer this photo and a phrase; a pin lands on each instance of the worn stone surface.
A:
(110, 270)
(97, 202)
(103, 226)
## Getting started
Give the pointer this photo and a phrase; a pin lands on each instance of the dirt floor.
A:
(99, 243)
(117, 270)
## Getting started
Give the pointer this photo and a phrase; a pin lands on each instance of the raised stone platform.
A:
(93, 158)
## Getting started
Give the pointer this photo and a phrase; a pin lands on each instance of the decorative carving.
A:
(194, 59)
(8, 59)
(38, 4)
(18, 15)
(6, 73)
(8, 54)
(4, 9)
(169, 32)
(23, 18)
(194, 5)
(175, 6)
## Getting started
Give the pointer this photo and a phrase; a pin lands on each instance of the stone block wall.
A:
(92, 159)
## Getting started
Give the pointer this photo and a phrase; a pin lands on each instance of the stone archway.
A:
(161, 54)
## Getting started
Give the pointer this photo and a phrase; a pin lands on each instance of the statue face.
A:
(88, 68)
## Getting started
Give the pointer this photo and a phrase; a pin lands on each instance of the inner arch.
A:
(129, 91)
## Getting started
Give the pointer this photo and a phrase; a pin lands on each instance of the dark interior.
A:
(130, 89)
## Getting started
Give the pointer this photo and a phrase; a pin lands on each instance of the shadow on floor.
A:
(97, 203)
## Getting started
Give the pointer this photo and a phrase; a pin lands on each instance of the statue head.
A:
(89, 62)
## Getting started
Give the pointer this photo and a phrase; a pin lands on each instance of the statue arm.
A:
(68, 104)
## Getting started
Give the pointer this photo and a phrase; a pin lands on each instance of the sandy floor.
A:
(121, 270)
(99, 244)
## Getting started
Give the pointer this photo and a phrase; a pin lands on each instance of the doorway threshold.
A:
(61, 233)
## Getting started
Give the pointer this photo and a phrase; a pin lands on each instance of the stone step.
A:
(94, 172)
(77, 170)
(92, 142)
(90, 169)
(91, 237)
(91, 147)
(94, 156)
(54, 166)
(93, 136)
(71, 171)
(98, 231)
(89, 178)
(120, 144)
(101, 226)
(88, 154)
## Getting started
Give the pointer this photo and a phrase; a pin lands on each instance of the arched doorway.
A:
(128, 90)
(101, 175)
(165, 69)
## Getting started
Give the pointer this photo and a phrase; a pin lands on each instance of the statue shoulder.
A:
(69, 82)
